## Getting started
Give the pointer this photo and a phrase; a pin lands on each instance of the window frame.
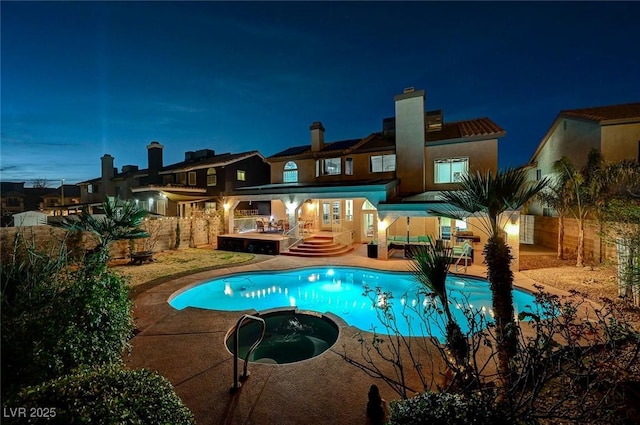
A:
(290, 172)
(383, 159)
(449, 161)
(241, 175)
(191, 178)
(323, 166)
(212, 177)
(181, 178)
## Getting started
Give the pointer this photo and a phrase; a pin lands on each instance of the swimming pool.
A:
(339, 290)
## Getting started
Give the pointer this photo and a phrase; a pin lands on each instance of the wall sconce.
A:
(512, 227)
(226, 206)
(382, 224)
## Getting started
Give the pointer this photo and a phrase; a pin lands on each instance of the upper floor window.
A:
(348, 166)
(383, 163)
(181, 178)
(538, 174)
(242, 176)
(450, 170)
(192, 178)
(290, 174)
(167, 179)
(328, 167)
(13, 201)
(89, 188)
(212, 178)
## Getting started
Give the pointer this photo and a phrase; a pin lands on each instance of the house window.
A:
(348, 166)
(241, 175)
(168, 179)
(13, 202)
(538, 174)
(192, 178)
(383, 163)
(329, 167)
(450, 170)
(181, 178)
(212, 179)
(348, 209)
(290, 174)
(89, 188)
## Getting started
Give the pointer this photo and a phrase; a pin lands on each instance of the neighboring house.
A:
(613, 130)
(57, 200)
(17, 199)
(364, 185)
(13, 200)
(179, 189)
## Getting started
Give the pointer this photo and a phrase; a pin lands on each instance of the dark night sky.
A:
(81, 79)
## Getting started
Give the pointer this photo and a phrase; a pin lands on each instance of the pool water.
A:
(340, 290)
(289, 337)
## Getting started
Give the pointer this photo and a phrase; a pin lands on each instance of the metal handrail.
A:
(296, 233)
(236, 348)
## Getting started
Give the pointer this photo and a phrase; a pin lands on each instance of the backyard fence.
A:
(165, 233)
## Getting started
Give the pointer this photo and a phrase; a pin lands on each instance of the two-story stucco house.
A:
(383, 184)
(182, 188)
(613, 130)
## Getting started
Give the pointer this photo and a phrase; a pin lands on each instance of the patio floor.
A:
(187, 347)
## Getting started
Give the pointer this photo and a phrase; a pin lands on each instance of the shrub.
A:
(105, 395)
(445, 408)
(55, 318)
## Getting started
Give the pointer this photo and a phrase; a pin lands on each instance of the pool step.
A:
(319, 246)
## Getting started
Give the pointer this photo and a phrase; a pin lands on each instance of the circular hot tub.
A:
(290, 336)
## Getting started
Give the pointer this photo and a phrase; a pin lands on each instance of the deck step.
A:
(319, 246)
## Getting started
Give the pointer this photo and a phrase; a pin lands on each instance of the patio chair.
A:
(260, 225)
(280, 225)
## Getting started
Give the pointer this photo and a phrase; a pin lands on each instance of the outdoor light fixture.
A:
(512, 227)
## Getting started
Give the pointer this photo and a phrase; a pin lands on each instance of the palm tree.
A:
(121, 221)
(582, 188)
(555, 196)
(487, 196)
(430, 267)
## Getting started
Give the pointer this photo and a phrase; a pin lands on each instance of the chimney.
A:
(108, 172)
(410, 140)
(434, 120)
(317, 136)
(154, 153)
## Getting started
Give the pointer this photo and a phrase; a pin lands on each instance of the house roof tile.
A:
(479, 127)
(605, 113)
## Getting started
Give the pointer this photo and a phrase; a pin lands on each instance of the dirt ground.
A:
(595, 282)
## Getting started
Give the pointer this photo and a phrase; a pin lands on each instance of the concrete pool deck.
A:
(187, 347)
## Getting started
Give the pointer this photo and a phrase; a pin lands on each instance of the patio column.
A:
(383, 247)
(511, 220)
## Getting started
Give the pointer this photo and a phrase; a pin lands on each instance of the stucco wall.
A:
(483, 155)
(620, 142)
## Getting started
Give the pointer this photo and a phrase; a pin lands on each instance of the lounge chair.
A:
(260, 225)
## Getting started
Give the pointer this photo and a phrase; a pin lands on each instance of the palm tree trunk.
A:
(580, 256)
(498, 260)
(561, 237)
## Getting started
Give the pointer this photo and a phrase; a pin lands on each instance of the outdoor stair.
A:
(318, 246)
